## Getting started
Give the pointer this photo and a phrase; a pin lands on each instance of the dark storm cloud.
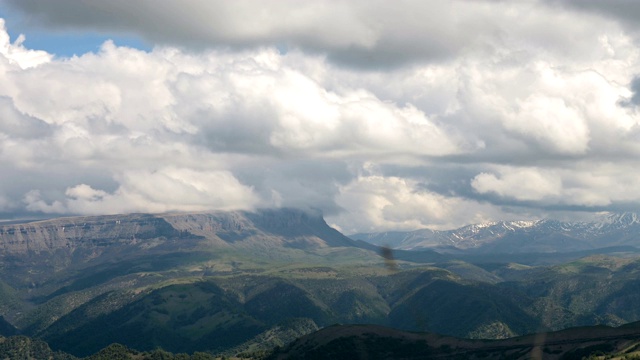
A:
(361, 34)
(626, 10)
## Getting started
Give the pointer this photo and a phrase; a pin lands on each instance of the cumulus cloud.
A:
(520, 184)
(16, 54)
(168, 189)
(373, 202)
(588, 184)
(383, 115)
(172, 130)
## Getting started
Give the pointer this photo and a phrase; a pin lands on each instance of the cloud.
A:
(520, 184)
(586, 185)
(361, 34)
(168, 189)
(384, 116)
(624, 10)
(635, 97)
(379, 203)
(18, 125)
(16, 54)
(124, 130)
(349, 31)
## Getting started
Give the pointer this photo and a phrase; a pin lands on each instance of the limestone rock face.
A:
(282, 227)
(38, 253)
(78, 232)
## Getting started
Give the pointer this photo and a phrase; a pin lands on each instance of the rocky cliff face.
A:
(260, 229)
(283, 227)
(56, 251)
(79, 232)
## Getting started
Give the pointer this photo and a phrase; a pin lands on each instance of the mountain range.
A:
(540, 236)
(245, 282)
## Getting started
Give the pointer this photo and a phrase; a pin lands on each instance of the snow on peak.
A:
(485, 225)
(523, 223)
(626, 218)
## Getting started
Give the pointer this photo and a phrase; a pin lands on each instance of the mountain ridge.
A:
(546, 235)
(219, 228)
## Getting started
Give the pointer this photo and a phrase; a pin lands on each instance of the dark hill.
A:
(22, 347)
(6, 329)
(379, 343)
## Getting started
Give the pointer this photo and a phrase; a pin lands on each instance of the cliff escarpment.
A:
(82, 232)
(264, 228)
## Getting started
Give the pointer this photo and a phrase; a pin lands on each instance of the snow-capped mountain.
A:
(605, 230)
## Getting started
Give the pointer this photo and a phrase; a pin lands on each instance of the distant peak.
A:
(524, 223)
(485, 224)
(627, 217)
(507, 224)
(623, 218)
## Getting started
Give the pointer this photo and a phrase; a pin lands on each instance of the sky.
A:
(384, 115)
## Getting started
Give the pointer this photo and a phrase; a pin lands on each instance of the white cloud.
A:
(520, 184)
(378, 203)
(523, 106)
(551, 123)
(171, 130)
(15, 54)
(168, 189)
(586, 184)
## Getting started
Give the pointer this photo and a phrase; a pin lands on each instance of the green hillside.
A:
(228, 282)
